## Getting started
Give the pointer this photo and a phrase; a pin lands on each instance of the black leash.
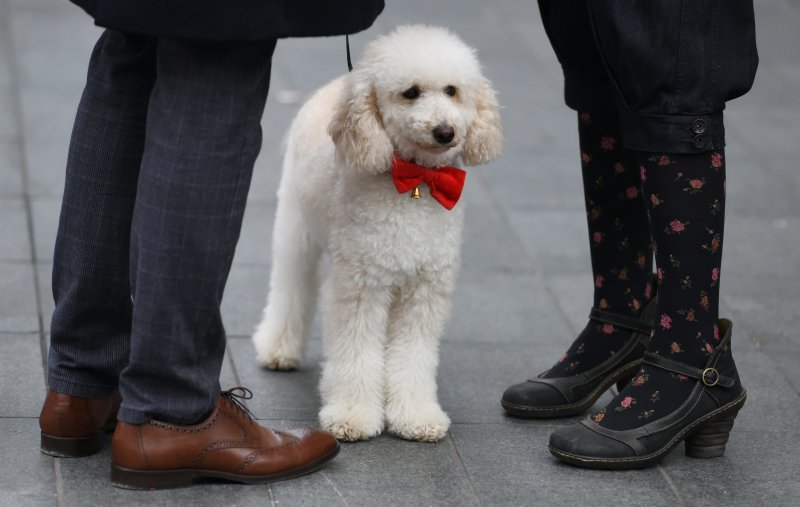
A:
(347, 45)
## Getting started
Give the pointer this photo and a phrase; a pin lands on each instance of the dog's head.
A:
(418, 91)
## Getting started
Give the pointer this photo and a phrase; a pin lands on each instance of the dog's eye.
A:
(412, 93)
(450, 90)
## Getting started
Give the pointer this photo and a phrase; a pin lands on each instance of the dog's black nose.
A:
(443, 134)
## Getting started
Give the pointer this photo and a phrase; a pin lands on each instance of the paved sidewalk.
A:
(523, 293)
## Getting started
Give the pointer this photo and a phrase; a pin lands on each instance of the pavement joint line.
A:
(671, 484)
(333, 485)
(464, 470)
(271, 494)
(59, 482)
(16, 112)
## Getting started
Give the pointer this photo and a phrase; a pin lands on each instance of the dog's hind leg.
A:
(416, 323)
(280, 337)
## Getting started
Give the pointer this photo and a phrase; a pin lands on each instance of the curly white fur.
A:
(394, 259)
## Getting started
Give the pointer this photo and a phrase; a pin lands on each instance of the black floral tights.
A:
(685, 197)
(679, 202)
(619, 239)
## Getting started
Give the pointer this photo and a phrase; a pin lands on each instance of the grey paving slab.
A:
(10, 168)
(46, 211)
(45, 271)
(554, 239)
(45, 38)
(754, 241)
(48, 113)
(27, 477)
(384, 471)
(8, 129)
(786, 362)
(21, 375)
(17, 298)
(510, 466)
(759, 468)
(5, 69)
(503, 308)
(279, 395)
(551, 180)
(574, 295)
(255, 241)
(772, 402)
(769, 320)
(46, 161)
(16, 243)
(745, 194)
(244, 299)
(490, 245)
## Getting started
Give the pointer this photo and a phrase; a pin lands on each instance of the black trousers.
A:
(159, 166)
(669, 66)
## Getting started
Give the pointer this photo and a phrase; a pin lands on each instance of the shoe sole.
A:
(127, 478)
(61, 447)
(577, 408)
(705, 445)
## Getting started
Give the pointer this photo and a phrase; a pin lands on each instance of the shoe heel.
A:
(134, 479)
(62, 447)
(709, 440)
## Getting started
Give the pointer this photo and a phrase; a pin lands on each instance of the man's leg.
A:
(203, 136)
(92, 319)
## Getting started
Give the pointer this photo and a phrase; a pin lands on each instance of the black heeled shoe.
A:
(567, 396)
(703, 421)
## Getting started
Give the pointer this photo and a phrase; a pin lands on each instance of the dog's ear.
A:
(357, 130)
(484, 140)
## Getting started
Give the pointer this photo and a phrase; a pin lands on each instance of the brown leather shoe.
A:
(73, 427)
(229, 445)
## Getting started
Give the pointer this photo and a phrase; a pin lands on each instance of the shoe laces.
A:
(237, 396)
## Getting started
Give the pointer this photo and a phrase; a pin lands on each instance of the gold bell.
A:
(415, 193)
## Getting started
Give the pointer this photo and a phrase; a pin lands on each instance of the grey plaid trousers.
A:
(159, 166)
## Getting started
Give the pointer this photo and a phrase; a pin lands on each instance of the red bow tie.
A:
(445, 183)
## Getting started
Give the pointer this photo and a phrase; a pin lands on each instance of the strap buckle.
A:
(710, 377)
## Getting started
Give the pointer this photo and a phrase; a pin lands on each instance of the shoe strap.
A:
(709, 375)
(623, 321)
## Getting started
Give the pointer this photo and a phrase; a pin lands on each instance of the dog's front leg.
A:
(354, 338)
(416, 323)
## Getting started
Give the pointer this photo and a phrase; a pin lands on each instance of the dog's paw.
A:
(423, 423)
(351, 424)
(276, 352)
(278, 362)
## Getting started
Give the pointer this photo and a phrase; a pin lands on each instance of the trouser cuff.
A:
(71, 388)
(672, 133)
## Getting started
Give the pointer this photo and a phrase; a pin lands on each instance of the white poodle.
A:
(419, 96)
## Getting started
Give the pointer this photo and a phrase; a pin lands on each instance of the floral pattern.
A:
(619, 237)
(685, 202)
(626, 403)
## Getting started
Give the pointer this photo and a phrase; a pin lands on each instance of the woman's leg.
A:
(671, 101)
(619, 240)
(610, 346)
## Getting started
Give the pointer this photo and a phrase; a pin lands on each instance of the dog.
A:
(419, 98)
